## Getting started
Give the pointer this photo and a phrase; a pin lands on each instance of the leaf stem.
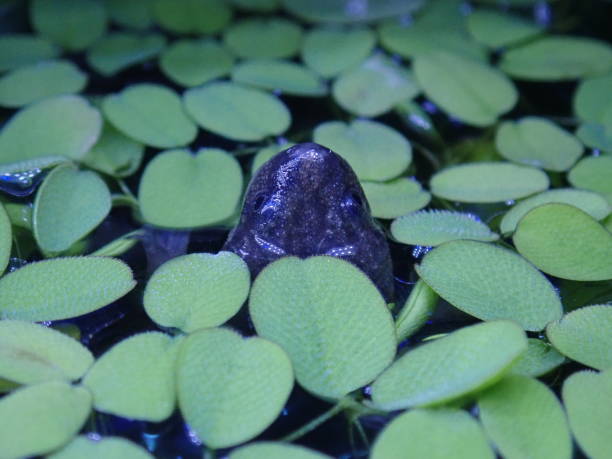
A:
(316, 422)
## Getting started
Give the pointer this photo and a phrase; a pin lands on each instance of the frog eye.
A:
(259, 202)
(357, 199)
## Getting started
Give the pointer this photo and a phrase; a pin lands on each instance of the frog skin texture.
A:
(307, 201)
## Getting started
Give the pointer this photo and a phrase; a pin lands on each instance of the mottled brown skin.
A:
(307, 201)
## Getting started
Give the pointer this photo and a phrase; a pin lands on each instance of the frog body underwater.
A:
(307, 201)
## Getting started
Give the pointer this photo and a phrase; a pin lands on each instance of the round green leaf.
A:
(497, 29)
(63, 287)
(282, 75)
(329, 51)
(18, 50)
(63, 126)
(104, 448)
(565, 242)
(114, 153)
(329, 317)
(132, 14)
(465, 88)
(73, 24)
(489, 282)
(199, 290)
(450, 367)
(524, 419)
(231, 388)
(31, 353)
(69, 204)
(537, 360)
(588, 401)
(591, 203)
(40, 418)
(151, 114)
(593, 173)
(584, 335)
(135, 378)
(263, 38)
(237, 112)
(374, 150)
(555, 58)
(120, 50)
(487, 182)
(593, 98)
(395, 198)
(39, 81)
(275, 450)
(432, 228)
(6, 237)
(192, 16)
(183, 190)
(596, 135)
(538, 142)
(194, 62)
(434, 434)
(374, 87)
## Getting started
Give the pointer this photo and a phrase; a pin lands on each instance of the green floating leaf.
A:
(192, 16)
(417, 309)
(60, 126)
(555, 58)
(118, 51)
(432, 228)
(593, 173)
(104, 448)
(593, 98)
(275, 450)
(588, 401)
(40, 80)
(263, 38)
(231, 388)
(424, 37)
(329, 317)
(374, 150)
(584, 335)
(114, 153)
(135, 378)
(434, 434)
(183, 190)
(374, 87)
(63, 287)
(73, 24)
(325, 11)
(329, 51)
(199, 290)
(237, 112)
(132, 14)
(496, 29)
(69, 204)
(465, 88)
(596, 135)
(450, 367)
(537, 360)
(276, 74)
(587, 201)
(489, 282)
(565, 242)
(151, 114)
(524, 419)
(31, 353)
(18, 50)
(194, 62)
(6, 237)
(538, 142)
(487, 182)
(395, 198)
(38, 419)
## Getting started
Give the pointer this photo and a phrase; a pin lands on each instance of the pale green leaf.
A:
(593, 98)
(263, 38)
(593, 173)
(397, 197)
(114, 153)
(104, 448)
(132, 14)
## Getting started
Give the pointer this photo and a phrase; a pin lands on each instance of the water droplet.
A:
(21, 183)
(420, 250)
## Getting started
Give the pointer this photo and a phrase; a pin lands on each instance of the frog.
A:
(307, 201)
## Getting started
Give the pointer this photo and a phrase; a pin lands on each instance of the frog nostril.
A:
(259, 202)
